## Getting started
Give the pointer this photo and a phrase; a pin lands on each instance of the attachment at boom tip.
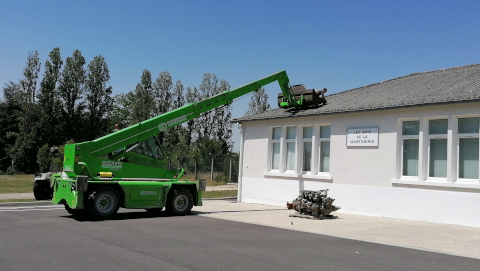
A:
(302, 97)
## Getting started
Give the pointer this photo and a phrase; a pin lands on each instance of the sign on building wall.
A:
(362, 137)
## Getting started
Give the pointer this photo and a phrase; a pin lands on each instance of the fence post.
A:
(195, 169)
(211, 173)
(230, 171)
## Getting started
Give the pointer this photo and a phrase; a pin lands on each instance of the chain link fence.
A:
(222, 169)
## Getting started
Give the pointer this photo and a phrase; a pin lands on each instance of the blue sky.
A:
(339, 45)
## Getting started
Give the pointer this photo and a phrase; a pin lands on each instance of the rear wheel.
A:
(103, 203)
(42, 190)
(179, 202)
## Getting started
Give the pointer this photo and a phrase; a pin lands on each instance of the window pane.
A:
(437, 127)
(410, 127)
(410, 157)
(307, 156)
(291, 132)
(468, 125)
(276, 156)
(468, 158)
(307, 132)
(324, 131)
(290, 156)
(276, 133)
(324, 156)
(438, 157)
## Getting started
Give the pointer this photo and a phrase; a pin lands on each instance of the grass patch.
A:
(217, 178)
(16, 200)
(16, 183)
(219, 194)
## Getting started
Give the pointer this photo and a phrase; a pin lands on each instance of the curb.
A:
(227, 198)
(24, 203)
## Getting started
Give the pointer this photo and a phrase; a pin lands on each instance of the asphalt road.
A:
(36, 237)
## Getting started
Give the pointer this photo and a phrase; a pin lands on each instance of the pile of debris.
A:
(313, 203)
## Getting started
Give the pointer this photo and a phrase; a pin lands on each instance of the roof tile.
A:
(440, 86)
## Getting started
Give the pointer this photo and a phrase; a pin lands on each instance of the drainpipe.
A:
(240, 165)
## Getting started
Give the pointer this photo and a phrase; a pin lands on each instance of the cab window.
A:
(149, 147)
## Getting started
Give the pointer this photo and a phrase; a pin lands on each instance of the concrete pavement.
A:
(451, 239)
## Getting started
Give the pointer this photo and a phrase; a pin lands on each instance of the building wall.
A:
(366, 180)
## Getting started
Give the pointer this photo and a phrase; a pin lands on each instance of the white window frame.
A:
(452, 179)
(418, 137)
(285, 150)
(271, 141)
(320, 140)
(302, 153)
(427, 154)
(457, 146)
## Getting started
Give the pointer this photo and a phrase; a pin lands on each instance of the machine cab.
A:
(148, 152)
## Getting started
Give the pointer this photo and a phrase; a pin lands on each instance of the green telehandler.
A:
(128, 168)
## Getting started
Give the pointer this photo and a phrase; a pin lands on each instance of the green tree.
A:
(44, 158)
(24, 151)
(222, 121)
(178, 95)
(191, 96)
(215, 124)
(71, 89)
(98, 98)
(179, 151)
(171, 137)
(10, 108)
(144, 105)
(122, 111)
(29, 82)
(163, 93)
(207, 89)
(48, 100)
(163, 104)
(258, 103)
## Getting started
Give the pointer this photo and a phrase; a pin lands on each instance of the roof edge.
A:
(363, 110)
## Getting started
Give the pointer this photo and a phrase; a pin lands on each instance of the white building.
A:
(404, 148)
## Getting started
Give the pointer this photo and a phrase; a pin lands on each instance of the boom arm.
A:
(143, 130)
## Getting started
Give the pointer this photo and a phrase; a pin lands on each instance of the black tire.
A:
(42, 190)
(74, 212)
(103, 203)
(179, 202)
(154, 211)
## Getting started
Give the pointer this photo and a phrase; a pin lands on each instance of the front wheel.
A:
(154, 211)
(179, 202)
(103, 203)
(74, 212)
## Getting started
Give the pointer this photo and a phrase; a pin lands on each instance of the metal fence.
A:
(216, 169)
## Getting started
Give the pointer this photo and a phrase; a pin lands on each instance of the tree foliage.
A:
(23, 152)
(144, 104)
(74, 102)
(48, 99)
(98, 100)
(258, 103)
(71, 89)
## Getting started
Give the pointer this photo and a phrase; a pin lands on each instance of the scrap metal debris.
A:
(313, 203)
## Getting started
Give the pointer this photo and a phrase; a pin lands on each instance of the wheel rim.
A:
(181, 203)
(105, 203)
